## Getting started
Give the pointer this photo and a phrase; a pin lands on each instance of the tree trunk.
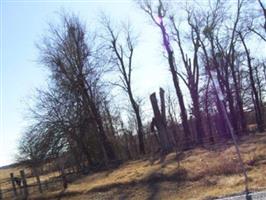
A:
(197, 115)
(127, 146)
(76, 157)
(241, 114)
(220, 124)
(36, 174)
(106, 145)
(230, 99)
(260, 91)
(171, 62)
(209, 124)
(160, 124)
(259, 118)
(222, 129)
(180, 99)
(139, 122)
(110, 120)
(223, 79)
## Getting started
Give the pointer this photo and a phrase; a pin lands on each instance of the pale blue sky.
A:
(23, 23)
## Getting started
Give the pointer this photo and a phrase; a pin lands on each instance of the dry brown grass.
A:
(202, 174)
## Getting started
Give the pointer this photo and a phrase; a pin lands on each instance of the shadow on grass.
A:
(151, 183)
(153, 191)
(57, 196)
(123, 189)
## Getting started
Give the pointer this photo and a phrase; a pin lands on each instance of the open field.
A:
(202, 173)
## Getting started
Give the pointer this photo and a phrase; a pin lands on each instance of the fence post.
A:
(46, 184)
(24, 182)
(61, 169)
(36, 173)
(13, 184)
(64, 180)
(1, 197)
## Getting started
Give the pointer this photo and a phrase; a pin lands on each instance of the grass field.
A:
(202, 173)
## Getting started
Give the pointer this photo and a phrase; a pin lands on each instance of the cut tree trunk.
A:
(160, 124)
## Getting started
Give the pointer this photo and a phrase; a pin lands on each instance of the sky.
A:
(22, 25)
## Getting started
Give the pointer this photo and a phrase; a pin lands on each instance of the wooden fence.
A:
(19, 187)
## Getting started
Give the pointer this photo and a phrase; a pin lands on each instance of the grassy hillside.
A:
(202, 173)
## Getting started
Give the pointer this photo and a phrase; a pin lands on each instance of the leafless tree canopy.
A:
(76, 117)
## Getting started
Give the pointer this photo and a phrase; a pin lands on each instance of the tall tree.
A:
(158, 19)
(68, 56)
(192, 73)
(257, 104)
(122, 49)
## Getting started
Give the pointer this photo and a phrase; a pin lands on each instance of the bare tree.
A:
(256, 21)
(192, 72)
(158, 18)
(257, 104)
(68, 56)
(122, 49)
(264, 13)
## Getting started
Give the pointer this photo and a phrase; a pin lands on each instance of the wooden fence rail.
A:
(18, 186)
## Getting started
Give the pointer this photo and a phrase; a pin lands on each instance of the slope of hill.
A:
(201, 173)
